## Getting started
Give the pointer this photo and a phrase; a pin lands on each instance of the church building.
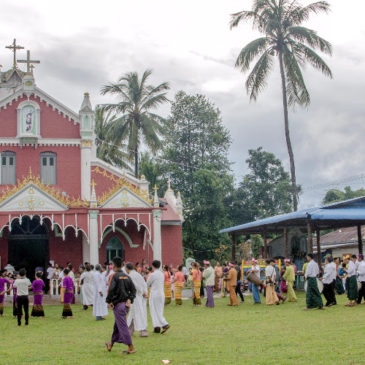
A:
(58, 201)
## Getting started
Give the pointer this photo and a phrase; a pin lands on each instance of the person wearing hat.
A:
(231, 281)
(209, 277)
(351, 281)
(313, 296)
(289, 277)
(329, 281)
(255, 290)
(361, 278)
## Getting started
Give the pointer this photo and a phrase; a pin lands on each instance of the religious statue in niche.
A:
(28, 120)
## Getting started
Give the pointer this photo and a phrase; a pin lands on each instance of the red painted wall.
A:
(172, 252)
(64, 251)
(68, 165)
(53, 125)
(4, 248)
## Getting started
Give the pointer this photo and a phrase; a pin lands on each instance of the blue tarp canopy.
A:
(343, 214)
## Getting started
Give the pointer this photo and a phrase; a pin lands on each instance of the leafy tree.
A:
(335, 195)
(285, 39)
(106, 150)
(154, 172)
(133, 119)
(264, 192)
(197, 145)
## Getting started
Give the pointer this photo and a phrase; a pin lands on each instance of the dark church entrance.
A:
(28, 245)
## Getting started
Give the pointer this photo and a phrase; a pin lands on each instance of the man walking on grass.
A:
(157, 298)
(120, 297)
(313, 296)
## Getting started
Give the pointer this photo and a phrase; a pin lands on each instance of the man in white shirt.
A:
(157, 298)
(313, 296)
(270, 275)
(351, 281)
(50, 270)
(22, 285)
(100, 307)
(361, 278)
(329, 281)
(137, 318)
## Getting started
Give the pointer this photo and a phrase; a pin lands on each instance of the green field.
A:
(250, 334)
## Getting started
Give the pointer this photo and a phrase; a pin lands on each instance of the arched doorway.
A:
(114, 248)
(28, 245)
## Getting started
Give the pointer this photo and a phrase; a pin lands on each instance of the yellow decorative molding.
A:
(119, 184)
(86, 143)
(70, 202)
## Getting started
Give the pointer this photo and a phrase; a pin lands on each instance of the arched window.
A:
(8, 168)
(114, 248)
(49, 168)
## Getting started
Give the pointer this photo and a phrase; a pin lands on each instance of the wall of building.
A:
(132, 254)
(68, 165)
(4, 249)
(53, 125)
(64, 251)
(172, 251)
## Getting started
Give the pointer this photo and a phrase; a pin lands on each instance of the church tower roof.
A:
(86, 104)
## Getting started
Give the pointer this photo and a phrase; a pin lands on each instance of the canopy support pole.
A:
(310, 238)
(286, 243)
(265, 245)
(319, 253)
(233, 247)
(359, 239)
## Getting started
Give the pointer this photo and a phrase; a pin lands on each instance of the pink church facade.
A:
(59, 202)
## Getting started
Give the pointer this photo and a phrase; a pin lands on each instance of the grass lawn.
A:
(251, 334)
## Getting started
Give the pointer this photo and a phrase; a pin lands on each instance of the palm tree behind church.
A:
(134, 121)
(284, 39)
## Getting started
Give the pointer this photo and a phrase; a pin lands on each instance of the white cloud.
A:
(84, 44)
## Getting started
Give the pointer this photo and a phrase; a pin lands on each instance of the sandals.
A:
(127, 352)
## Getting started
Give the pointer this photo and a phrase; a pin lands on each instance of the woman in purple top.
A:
(37, 288)
(68, 286)
(3, 282)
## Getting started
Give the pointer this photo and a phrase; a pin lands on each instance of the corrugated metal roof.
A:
(348, 211)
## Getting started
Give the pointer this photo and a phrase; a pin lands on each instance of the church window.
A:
(8, 168)
(49, 168)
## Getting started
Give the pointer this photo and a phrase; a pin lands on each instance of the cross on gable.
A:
(29, 62)
(14, 47)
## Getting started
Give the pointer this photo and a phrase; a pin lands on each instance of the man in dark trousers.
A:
(239, 282)
(121, 295)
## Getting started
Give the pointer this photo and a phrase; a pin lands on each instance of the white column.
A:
(157, 250)
(85, 169)
(85, 249)
(93, 237)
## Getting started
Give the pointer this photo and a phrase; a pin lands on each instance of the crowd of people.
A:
(126, 288)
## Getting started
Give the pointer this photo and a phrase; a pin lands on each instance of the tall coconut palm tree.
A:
(292, 45)
(106, 149)
(134, 120)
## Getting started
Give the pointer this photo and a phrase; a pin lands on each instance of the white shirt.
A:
(256, 267)
(330, 273)
(312, 270)
(361, 271)
(156, 283)
(351, 271)
(49, 273)
(22, 286)
(209, 276)
(270, 272)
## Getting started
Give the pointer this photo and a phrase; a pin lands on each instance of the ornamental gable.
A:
(31, 198)
(124, 198)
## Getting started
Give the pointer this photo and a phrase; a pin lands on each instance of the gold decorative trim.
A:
(119, 184)
(70, 202)
(86, 143)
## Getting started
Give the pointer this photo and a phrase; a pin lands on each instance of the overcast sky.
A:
(85, 44)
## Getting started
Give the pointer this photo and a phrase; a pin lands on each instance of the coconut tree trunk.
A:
(136, 163)
(287, 135)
